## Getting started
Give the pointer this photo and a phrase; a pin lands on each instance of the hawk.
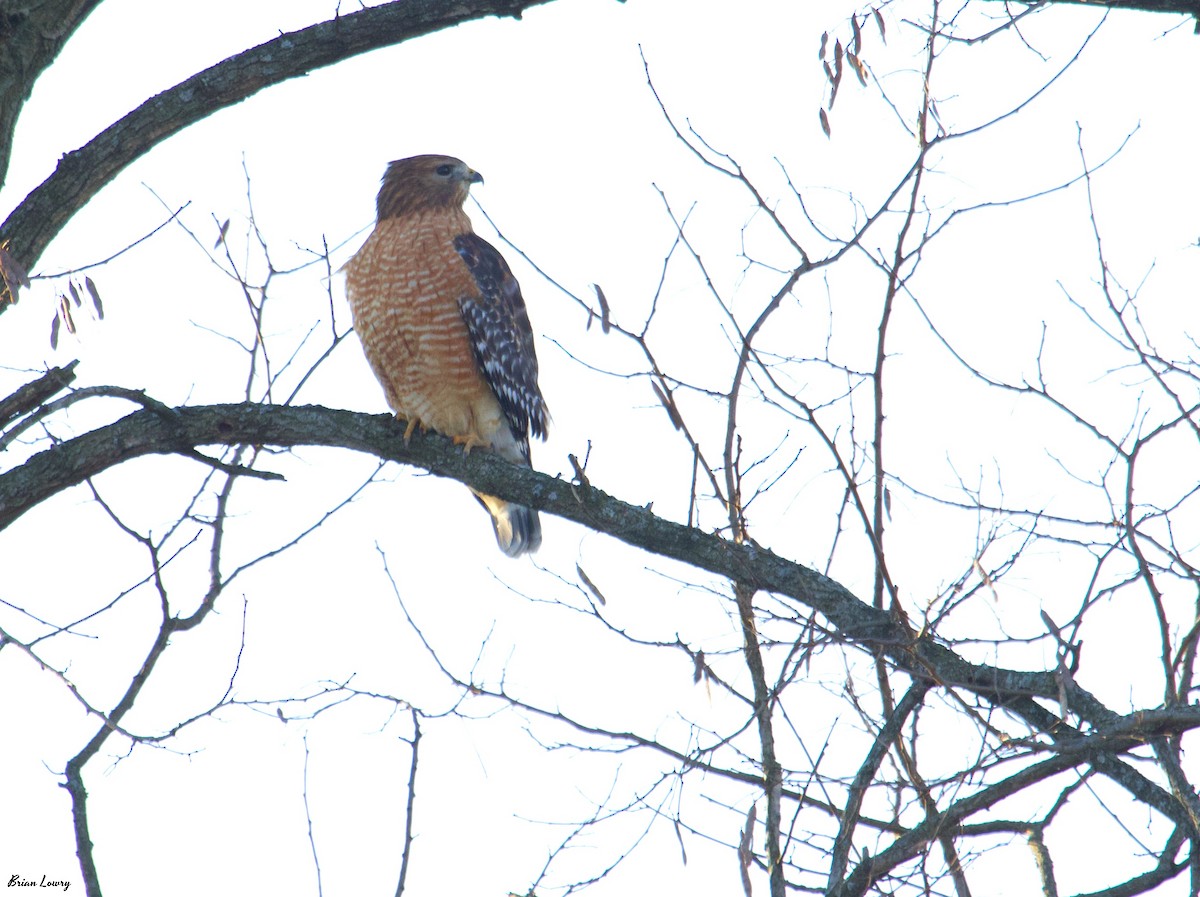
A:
(444, 327)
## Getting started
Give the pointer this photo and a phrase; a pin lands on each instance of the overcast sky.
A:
(556, 112)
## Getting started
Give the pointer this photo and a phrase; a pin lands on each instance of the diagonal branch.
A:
(1174, 7)
(82, 173)
(32, 34)
(159, 430)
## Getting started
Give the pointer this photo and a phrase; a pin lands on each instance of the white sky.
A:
(556, 113)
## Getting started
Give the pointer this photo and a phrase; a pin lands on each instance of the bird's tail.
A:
(518, 529)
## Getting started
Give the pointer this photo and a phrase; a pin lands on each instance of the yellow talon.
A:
(469, 442)
(413, 423)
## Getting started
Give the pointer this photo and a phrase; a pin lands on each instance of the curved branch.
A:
(1093, 748)
(82, 173)
(1176, 7)
(32, 35)
(160, 430)
(840, 858)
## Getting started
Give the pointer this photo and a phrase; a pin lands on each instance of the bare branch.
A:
(83, 172)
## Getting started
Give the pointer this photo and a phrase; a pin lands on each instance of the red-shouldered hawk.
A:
(444, 327)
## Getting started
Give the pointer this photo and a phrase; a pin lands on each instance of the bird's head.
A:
(424, 182)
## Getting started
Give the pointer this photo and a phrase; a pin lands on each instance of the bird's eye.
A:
(445, 171)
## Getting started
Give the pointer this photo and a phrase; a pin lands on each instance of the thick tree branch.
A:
(160, 430)
(1176, 7)
(32, 34)
(914, 841)
(182, 430)
(33, 394)
(82, 173)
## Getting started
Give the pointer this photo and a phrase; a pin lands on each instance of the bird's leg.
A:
(413, 423)
(469, 442)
